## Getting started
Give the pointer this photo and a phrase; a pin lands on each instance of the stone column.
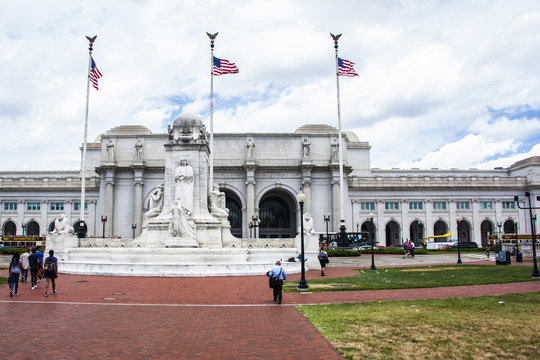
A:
(43, 218)
(92, 216)
(335, 206)
(250, 192)
(138, 200)
(109, 203)
(20, 217)
(306, 185)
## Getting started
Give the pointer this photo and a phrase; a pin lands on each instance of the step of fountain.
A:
(175, 261)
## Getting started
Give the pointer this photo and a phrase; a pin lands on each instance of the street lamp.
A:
(517, 243)
(499, 225)
(327, 220)
(133, 227)
(301, 199)
(370, 217)
(103, 221)
(458, 242)
(533, 231)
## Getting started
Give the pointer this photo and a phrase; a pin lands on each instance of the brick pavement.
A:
(184, 318)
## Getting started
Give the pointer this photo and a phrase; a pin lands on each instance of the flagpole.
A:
(211, 158)
(83, 158)
(340, 139)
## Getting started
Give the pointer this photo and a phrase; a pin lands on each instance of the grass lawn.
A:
(421, 277)
(488, 327)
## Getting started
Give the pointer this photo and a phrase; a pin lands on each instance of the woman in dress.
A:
(50, 272)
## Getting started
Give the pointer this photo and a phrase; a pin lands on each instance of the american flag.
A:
(222, 66)
(346, 68)
(94, 74)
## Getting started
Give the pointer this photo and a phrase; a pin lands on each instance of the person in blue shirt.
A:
(279, 272)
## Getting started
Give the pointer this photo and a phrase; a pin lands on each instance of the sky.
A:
(442, 84)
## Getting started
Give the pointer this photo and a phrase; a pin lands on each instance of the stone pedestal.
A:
(60, 244)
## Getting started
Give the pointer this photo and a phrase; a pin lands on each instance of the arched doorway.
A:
(392, 233)
(440, 228)
(233, 203)
(509, 227)
(416, 232)
(9, 229)
(369, 227)
(32, 228)
(464, 231)
(486, 228)
(51, 226)
(277, 212)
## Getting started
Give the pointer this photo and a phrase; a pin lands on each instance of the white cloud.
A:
(429, 73)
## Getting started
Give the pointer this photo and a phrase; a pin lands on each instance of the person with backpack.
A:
(33, 263)
(277, 275)
(323, 260)
(39, 255)
(15, 269)
(50, 272)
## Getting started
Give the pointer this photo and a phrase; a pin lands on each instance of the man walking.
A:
(277, 275)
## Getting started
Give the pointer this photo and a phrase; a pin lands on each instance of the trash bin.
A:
(503, 258)
(519, 257)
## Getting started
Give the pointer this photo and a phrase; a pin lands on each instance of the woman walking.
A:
(50, 272)
(15, 269)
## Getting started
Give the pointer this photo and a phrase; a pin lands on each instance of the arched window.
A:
(10, 229)
(235, 213)
(32, 228)
(277, 215)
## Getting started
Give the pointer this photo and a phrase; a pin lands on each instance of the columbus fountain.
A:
(185, 231)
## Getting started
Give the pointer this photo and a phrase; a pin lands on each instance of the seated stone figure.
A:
(61, 225)
(156, 202)
(217, 202)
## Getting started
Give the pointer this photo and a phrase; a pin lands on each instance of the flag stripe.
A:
(222, 66)
(346, 68)
(95, 74)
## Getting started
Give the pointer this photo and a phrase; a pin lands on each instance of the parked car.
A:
(396, 246)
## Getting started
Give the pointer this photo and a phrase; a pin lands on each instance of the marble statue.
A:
(305, 148)
(61, 225)
(250, 145)
(156, 202)
(217, 202)
(183, 177)
(181, 224)
(334, 155)
(139, 149)
(110, 151)
(308, 225)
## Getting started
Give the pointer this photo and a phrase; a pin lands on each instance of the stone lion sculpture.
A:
(61, 225)
(308, 225)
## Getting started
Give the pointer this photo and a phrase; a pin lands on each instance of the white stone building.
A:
(261, 173)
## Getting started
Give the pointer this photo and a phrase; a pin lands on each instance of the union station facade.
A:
(261, 174)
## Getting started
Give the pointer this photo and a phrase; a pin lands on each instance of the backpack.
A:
(323, 257)
(49, 264)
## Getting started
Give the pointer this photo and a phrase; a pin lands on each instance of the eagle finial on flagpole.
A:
(91, 40)
(335, 38)
(212, 38)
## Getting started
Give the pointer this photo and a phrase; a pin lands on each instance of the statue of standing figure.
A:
(305, 148)
(183, 192)
(250, 145)
(181, 224)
